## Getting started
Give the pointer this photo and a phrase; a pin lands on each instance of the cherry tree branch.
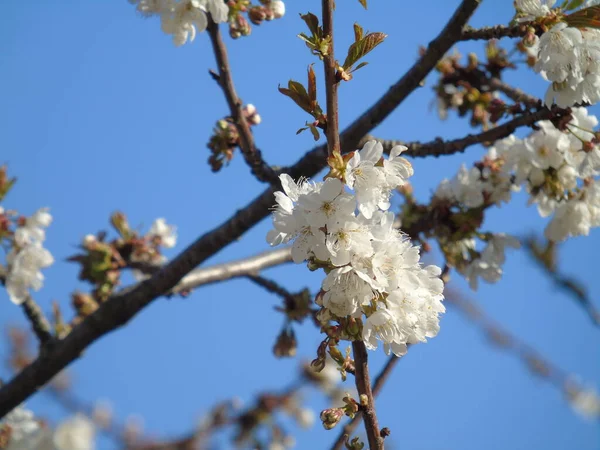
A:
(367, 400)
(496, 32)
(123, 306)
(331, 83)
(439, 147)
(377, 386)
(252, 155)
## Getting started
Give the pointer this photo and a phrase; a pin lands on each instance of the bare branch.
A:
(252, 155)
(363, 385)
(272, 287)
(40, 325)
(514, 93)
(439, 147)
(123, 306)
(497, 32)
(377, 386)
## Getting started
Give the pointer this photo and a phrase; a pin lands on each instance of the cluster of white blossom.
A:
(28, 256)
(568, 57)
(25, 432)
(585, 402)
(372, 269)
(183, 18)
(166, 234)
(558, 170)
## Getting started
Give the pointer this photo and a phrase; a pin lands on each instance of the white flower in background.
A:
(167, 234)
(28, 257)
(183, 18)
(373, 271)
(585, 402)
(496, 246)
(75, 433)
(278, 8)
(25, 431)
(467, 187)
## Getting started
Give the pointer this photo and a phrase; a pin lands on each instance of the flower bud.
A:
(286, 344)
(331, 417)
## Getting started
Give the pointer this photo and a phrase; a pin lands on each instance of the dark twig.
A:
(363, 385)
(252, 155)
(123, 306)
(439, 147)
(377, 386)
(272, 287)
(331, 83)
(515, 94)
(497, 32)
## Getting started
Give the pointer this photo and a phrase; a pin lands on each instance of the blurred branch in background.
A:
(583, 400)
(545, 254)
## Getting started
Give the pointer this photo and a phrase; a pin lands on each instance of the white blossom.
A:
(182, 19)
(75, 433)
(373, 271)
(166, 234)
(278, 8)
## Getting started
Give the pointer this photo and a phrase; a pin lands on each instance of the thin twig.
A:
(363, 385)
(40, 325)
(331, 83)
(123, 306)
(272, 287)
(377, 386)
(439, 147)
(497, 32)
(252, 155)
(514, 93)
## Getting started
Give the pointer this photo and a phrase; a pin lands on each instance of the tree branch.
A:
(123, 306)
(497, 32)
(439, 147)
(40, 325)
(331, 83)
(252, 155)
(377, 386)
(363, 385)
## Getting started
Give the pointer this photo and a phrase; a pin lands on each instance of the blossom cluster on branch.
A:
(556, 167)
(342, 225)
(183, 19)
(568, 49)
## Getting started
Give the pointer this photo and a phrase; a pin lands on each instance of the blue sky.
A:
(101, 112)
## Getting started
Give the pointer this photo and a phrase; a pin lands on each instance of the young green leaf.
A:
(298, 94)
(585, 18)
(573, 4)
(312, 87)
(358, 32)
(362, 47)
(363, 3)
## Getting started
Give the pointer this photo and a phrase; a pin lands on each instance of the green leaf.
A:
(362, 64)
(314, 131)
(362, 47)
(312, 22)
(363, 3)
(585, 18)
(573, 4)
(312, 87)
(301, 130)
(298, 94)
(358, 32)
